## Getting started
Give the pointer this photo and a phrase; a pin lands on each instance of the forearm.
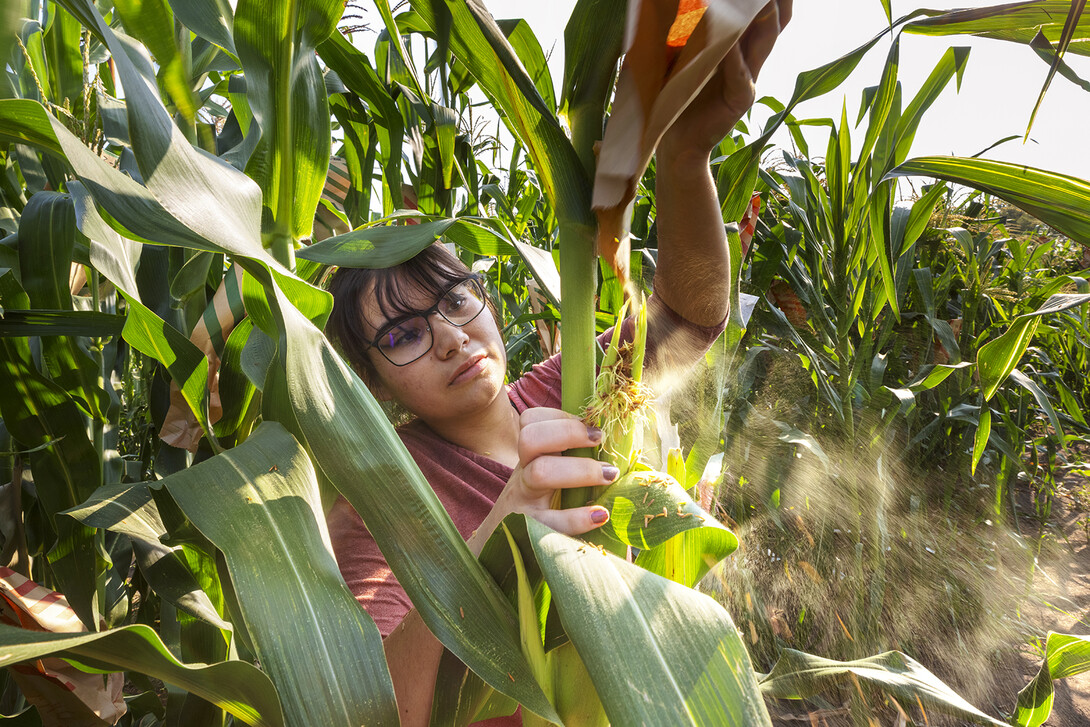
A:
(693, 271)
(413, 654)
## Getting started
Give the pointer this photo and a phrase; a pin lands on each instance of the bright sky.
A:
(1001, 81)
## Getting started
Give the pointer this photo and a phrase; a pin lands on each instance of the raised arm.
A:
(693, 273)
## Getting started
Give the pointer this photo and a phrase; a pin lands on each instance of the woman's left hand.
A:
(729, 93)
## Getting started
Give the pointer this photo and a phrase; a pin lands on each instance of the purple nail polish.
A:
(595, 434)
(599, 516)
(610, 472)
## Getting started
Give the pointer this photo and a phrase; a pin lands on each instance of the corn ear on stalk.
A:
(620, 406)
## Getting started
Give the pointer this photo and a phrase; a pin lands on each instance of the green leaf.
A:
(47, 240)
(528, 49)
(1047, 53)
(386, 246)
(1013, 22)
(648, 508)
(218, 206)
(1065, 655)
(884, 97)
(998, 357)
(1070, 27)
(931, 377)
(258, 503)
(529, 625)
(22, 323)
(1057, 200)
(480, 44)
(880, 240)
(952, 63)
(131, 509)
(43, 418)
(210, 19)
(62, 49)
(290, 133)
(1042, 400)
(144, 330)
(235, 686)
(797, 675)
(360, 454)
(980, 439)
(355, 71)
(681, 649)
(920, 216)
(738, 173)
(152, 23)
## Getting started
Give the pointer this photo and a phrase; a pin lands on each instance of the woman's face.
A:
(463, 373)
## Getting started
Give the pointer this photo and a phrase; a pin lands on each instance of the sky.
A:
(997, 95)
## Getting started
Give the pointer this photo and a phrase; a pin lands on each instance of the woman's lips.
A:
(473, 366)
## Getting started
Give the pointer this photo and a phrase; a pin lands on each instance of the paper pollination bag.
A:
(671, 50)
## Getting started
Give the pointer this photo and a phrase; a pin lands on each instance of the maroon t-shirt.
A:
(468, 484)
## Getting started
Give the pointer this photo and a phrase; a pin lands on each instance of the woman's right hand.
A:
(544, 435)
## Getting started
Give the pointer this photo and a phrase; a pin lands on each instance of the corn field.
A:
(907, 343)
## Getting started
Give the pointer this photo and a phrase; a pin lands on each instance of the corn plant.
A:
(163, 168)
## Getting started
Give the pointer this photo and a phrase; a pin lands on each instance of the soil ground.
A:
(1060, 602)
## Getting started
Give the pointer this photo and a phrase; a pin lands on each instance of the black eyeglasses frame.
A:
(477, 283)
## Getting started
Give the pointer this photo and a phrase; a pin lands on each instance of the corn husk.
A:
(621, 403)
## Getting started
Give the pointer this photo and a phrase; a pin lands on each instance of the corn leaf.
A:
(950, 65)
(528, 49)
(355, 71)
(35, 322)
(684, 662)
(235, 686)
(258, 503)
(480, 44)
(287, 96)
(648, 508)
(1014, 22)
(44, 419)
(345, 430)
(1060, 201)
(215, 202)
(998, 357)
(47, 240)
(131, 509)
(980, 439)
(1041, 398)
(144, 330)
(738, 174)
(797, 675)
(1063, 42)
(1065, 655)
(210, 19)
(381, 247)
(152, 23)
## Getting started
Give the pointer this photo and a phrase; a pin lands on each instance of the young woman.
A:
(423, 334)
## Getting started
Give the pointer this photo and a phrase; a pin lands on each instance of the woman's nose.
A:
(447, 338)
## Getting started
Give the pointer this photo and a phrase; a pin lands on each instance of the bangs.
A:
(398, 291)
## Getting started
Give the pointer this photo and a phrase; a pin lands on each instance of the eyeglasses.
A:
(409, 338)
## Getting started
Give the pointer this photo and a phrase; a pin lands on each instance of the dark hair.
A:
(430, 272)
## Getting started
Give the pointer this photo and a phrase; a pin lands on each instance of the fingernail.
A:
(595, 434)
(610, 472)
(599, 516)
